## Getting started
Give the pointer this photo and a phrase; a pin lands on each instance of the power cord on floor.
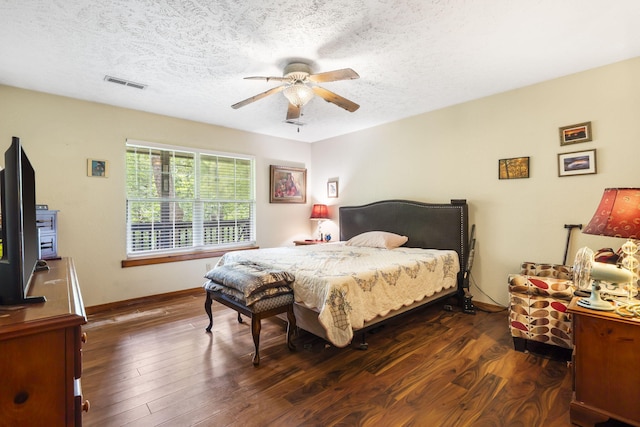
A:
(501, 307)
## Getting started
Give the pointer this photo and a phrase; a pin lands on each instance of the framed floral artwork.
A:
(287, 185)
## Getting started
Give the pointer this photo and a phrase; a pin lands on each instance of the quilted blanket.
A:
(250, 282)
(350, 285)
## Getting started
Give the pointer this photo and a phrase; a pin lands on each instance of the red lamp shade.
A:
(618, 214)
(319, 212)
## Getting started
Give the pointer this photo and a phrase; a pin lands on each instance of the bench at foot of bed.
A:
(259, 310)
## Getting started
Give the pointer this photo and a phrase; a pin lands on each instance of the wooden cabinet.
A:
(605, 367)
(47, 222)
(41, 352)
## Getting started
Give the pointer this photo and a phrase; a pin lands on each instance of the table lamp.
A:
(618, 215)
(319, 213)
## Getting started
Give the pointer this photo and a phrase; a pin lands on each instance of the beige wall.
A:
(454, 153)
(60, 134)
(433, 157)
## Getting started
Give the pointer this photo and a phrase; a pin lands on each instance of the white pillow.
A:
(378, 239)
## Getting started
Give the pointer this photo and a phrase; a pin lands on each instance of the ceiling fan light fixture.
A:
(298, 94)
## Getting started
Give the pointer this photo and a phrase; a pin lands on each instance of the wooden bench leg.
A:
(207, 309)
(291, 328)
(255, 320)
(255, 331)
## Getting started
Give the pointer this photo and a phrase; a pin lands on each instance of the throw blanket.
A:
(350, 285)
(250, 282)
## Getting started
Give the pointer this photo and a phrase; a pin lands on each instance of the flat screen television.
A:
(20, 241)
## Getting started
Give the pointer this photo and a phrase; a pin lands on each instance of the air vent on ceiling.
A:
(124, 82)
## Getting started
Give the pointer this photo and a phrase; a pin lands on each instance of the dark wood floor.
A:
(154, 364)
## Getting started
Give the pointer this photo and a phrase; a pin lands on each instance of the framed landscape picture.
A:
(573, 134)
(577, 163)
(514, 168)
(287, 185)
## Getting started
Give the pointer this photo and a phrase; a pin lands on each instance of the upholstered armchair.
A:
(539, 297)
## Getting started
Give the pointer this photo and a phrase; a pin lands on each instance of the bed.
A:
(343, 288)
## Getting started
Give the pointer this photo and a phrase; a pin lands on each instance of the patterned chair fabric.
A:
(539, 297)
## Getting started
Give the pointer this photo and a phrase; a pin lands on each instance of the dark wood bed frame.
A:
(427, 225)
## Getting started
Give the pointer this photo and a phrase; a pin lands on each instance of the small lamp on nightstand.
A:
(319, 213)
(618, 215)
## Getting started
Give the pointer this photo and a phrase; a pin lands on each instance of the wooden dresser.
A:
(41, 352)
(606, 370)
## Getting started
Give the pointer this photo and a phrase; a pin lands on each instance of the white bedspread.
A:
(349, 285)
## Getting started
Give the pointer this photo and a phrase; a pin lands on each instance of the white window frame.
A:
(197, 228)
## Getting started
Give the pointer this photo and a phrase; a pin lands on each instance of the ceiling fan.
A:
(299, 88)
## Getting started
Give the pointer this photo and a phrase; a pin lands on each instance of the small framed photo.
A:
(574, 134)
(332, 188)
(577, 163)
(287, 185)
(99, 168)
(514, 168)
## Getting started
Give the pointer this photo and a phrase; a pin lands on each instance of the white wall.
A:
(59, 135)
(453, 153)
(433, 157)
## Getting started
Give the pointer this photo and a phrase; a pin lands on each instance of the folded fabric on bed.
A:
(251, 299)
(249, 278)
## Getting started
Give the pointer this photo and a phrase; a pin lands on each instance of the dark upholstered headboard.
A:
(427, 225)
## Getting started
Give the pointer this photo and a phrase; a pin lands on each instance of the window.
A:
(179, 199)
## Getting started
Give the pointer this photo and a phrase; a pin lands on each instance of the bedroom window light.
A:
(184, 200)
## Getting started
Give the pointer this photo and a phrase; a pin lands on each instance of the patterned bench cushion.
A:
(270, 298)
(250, 282)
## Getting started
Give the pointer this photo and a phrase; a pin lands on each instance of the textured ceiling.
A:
(413, 56)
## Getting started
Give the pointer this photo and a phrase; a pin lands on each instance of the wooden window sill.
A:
(162, 259)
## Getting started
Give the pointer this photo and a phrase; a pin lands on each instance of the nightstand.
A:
(308, 242)
(605, 367)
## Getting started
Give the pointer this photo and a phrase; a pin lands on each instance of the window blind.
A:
(180, 199)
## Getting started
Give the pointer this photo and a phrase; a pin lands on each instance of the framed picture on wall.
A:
(98, 168)
(332, 188)
(577, 163)
(514, 168)
(574, 134)
(287, 185)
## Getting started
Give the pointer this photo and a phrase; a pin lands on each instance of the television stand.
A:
(41, 265)
(33, 300)
(41, 352)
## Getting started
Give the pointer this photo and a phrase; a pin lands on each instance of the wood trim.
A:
(200, 292)
(136, 262)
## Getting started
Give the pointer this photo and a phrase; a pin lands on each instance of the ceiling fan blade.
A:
(258, 97)
(335, 99)
(277, 79)
(293, 112)
(332, 76)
